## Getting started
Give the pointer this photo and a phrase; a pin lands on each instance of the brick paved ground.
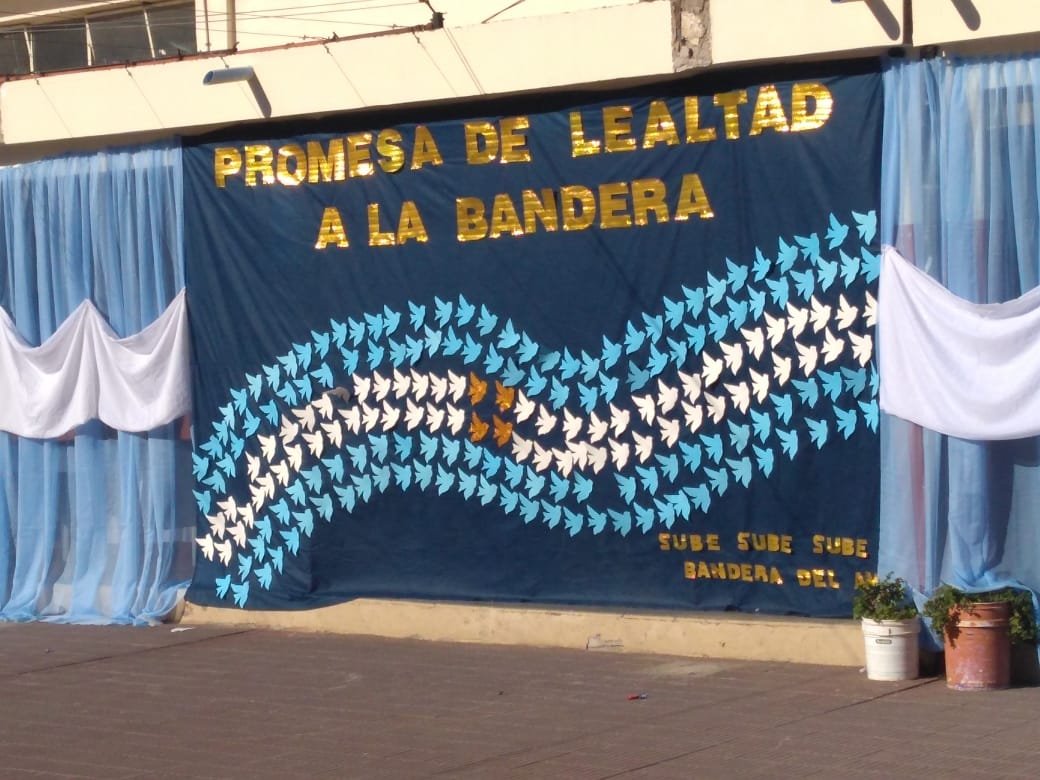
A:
(124, 702)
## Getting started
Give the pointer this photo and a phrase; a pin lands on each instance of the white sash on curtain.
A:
(964, 369)
(84, 372)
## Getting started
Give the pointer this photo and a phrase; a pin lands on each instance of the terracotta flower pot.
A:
(978, 646)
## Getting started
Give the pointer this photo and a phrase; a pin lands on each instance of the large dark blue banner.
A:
(615, 354)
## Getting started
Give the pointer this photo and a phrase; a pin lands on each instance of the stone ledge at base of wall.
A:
(831, 642)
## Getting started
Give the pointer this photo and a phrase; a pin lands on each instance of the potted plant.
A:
(977, 631)
(890, 628)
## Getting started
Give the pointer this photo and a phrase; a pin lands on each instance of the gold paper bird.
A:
(503, 430)
(477, 389)
(478, 429)
(504, 396)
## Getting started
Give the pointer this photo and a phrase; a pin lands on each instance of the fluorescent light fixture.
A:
(228, 75)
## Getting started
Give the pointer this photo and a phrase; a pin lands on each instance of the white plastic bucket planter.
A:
(891, 647)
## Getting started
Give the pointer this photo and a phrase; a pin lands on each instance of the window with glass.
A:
(134, 33)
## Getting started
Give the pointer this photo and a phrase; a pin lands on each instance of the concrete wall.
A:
(938, 22)
(491, 47)
(583, 47)
(748, 30)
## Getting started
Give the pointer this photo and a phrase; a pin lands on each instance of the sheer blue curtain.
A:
(95, 527)
(960, 200)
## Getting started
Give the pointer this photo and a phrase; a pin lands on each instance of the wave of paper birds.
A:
(689, 401)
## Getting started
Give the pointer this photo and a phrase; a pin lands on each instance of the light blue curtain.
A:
(960, 200)
(96, 527)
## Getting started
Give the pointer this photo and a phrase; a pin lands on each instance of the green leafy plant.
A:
(886, 598)
(1022, 624)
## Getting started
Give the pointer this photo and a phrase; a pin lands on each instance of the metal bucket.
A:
(978, 647)
(891, 648)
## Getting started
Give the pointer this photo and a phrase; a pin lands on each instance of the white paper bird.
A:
(238, 533)
(391, 414)
(289, 430)
(733, 354)
(268, 446)
(217, 524)
(597, 428)
(294, 454)
(647, 407)
(644, 446)
(456, 386)
(619, 419)
(380, 386)
(619, 453)
(870, 311)
(229, 508)
(846, 313)
(797, 319)
(224, 551)
(438, 387)
(306, 417)
(266, 485)
(402, 384)
(420, 385)
(820, 315)
(252, 466)
(280, 471)
(546, 420)
(667, 397)
(335, 432)
(521, 448)
(456, 419)
(776, 327)
(807, 357)
(315, 443)
(524, 407)
(597, 458)
(691, 385)
(572, 424)
(781, 369)
(543, 458)
(323, 405)
(434, 417)
(693, 416)
(832, 347)
(362, 387)
(755, 338)
(740, 396)
(669, 431)
(579, 451)
(413, 416)
(258, 496)
(716, 407)
(862, 347)
(369, 416)
(711, 370)
(352, 417)
(564, 462)
(759, 385)
(206, 544)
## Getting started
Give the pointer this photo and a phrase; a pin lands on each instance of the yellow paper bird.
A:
(478, 429)
(503, 430)
(504, 396)
(477, 389)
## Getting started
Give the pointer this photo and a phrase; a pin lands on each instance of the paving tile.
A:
(117, 703)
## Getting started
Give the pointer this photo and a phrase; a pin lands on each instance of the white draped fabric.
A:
(84, 371)
(970, 370)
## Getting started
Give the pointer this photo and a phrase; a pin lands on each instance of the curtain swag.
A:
(84, 372)
(964, 369)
